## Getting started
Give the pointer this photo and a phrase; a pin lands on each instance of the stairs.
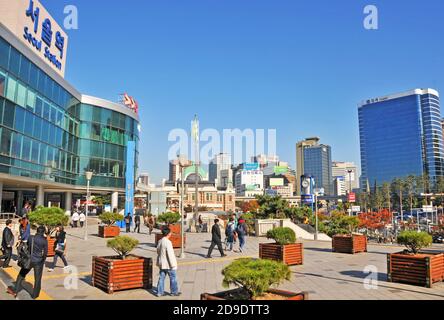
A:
(305, 232)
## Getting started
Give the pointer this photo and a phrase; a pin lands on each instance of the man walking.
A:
(75, 219)
(7, 244)
(38, 248)
(167, 263)
(216, 239)
(137, 223)
(82, 219)
(128, 222)
(242, 232)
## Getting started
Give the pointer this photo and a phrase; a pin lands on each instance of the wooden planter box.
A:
(422, 269)
(109, 231)
(290, 254)
(231, 294)
(51, 242)
(350, 243)
(176, 237)
(112, 274)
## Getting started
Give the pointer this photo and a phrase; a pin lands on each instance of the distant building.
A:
(265, 160)
(249, 183)
(339, 186)
(300, 146)
(348, 171)
(144, 179)
(220, 171)
(401, 135)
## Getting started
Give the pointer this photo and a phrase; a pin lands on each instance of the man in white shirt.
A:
(82, 219)
(75, 219)
(167, 263)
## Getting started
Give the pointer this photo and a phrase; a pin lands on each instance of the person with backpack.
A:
(59, 247)
(229, 233)
(242, 232)
(32, 259)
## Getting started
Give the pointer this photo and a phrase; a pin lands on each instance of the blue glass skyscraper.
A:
(318, 164)
(401, 135)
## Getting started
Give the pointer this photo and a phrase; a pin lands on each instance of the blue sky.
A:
(300, 67)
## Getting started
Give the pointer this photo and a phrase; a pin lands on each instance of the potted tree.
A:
(285, 249)
(341, 228)
(124, 271)
(108, 229)
(170, 220)
(254, 279)
(50, 218)
(413, 266)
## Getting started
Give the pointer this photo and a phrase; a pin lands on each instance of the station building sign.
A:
(30, 22)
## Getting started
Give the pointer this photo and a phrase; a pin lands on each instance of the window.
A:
(21, 95)
(14, 61)
(29, 123)
(16, 145)
(46, 111)
(8, 115)
(30, 104)
(11, 89)
(5, 145)
(45, 131)
(33, 76)
(37, 130)
(19, 121)
(4, 54)
(25, 65)
(26, 150)
(43, 154)
(2, 84)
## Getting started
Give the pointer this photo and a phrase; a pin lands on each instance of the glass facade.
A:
(318, 164)
(48, 134)
(400, 137)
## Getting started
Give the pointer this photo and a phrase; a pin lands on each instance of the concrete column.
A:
(40, 196)
(1, 196)
(68, 202)
(19, 204)
(114, 201)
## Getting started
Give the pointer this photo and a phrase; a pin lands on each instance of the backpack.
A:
(242, 229)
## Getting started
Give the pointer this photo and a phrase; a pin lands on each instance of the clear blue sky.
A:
(298, 66)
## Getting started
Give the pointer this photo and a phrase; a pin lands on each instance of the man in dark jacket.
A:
(137, 223)
(38, 246)
(7, 244)
(216, 239)
(128, 220)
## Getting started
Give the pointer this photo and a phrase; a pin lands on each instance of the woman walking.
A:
(229, 232)
(59, 247)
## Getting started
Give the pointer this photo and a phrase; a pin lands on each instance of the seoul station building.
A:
(51, 134)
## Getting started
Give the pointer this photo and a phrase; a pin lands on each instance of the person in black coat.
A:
(59, 247)
(137, 223)
(38, 249)
(128, 222)
(7, 244)
(216, 239)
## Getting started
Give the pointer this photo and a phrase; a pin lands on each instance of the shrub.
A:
(415, 241)
(123, 245)
(110, 218)
(282, 236)
(340, 223)
(255, 276)
(49, 218)
(169, 218)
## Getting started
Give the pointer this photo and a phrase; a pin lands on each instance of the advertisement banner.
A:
(276, 182)
(278, 170)
(129, 180)
(251, 166)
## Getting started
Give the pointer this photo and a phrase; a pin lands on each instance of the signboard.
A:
(307, 199)
(129, 180)
(129, 102)
(29, 21)
(279, 170)
(251, 166)
(276, 182)
(351, 198)
(356, 208)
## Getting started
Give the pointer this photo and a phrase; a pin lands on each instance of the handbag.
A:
(25, 256)
(60, 247)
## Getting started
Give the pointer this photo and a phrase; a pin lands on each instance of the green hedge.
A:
(282, 236)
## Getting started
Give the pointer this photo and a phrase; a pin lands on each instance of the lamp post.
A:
(89, 175)
(183, 163)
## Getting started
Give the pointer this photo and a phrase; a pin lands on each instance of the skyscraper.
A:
(300, 146)
(220, 170)
(401, 135)
(317, 164)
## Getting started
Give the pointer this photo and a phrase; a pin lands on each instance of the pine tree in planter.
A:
(341, 228)
(413, 266)
(124, 271)
(171, 220)
(108, 229)
(285, 249)
(50, 218)
(254, 278)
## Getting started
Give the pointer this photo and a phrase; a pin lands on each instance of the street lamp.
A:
(183, 163)
(89, 175)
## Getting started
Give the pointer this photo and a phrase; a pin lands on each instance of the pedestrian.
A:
(7, 244)
(24, 230)
(59, 247)
(200, 224)
(151, 223)
(128, 222)
(25, 210)
(82, 219)
(229, 233)
(167, 263)
(37, 254)
(216, 239)
(236, 222)
(242, 232)
(75, 219)
(137, 223)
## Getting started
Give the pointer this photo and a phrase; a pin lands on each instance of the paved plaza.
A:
(324, 275)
